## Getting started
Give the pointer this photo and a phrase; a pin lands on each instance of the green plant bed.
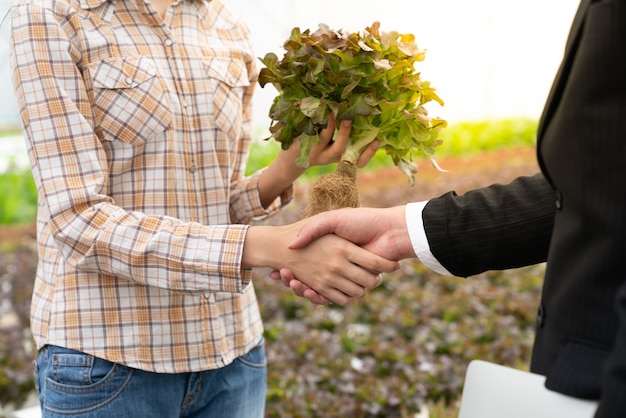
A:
(10, 132)
(18, 197)
(405, 345)
(466, 138)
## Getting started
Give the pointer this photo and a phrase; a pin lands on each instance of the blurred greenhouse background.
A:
(488, 59)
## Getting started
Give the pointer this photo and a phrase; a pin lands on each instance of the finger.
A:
(315, 297)
(353, 282)
(302, 290)
(276, 275)
(372, 262)
(339, 298)
(287, 276)
(368, 154)
(356, 278)
(298, 287)
(316, 227)
(337, 290)
(379, 280)
(327, 134)
(341, 140)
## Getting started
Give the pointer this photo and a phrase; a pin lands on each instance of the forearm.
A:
(492, 228)
(153, 251)
(266, 246)
(277, 178)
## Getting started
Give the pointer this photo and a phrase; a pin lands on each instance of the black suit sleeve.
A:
(492, 228)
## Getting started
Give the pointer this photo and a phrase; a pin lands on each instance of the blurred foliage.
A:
(18, 197)
(406, 345)
(18, 261)
(9, 131)
(467, 138)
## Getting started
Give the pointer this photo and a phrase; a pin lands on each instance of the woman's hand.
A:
(284, 170)
(330, 147)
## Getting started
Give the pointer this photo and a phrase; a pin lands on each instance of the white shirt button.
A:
(169, 42)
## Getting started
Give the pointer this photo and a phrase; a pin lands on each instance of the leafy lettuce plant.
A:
(368, 77)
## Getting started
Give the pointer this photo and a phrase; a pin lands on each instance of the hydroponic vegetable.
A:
(368, 77)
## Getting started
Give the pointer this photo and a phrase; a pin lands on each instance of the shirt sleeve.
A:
(415, 226)
(246, 203)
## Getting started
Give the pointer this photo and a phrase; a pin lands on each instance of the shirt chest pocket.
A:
(228, 83)
(130, 104)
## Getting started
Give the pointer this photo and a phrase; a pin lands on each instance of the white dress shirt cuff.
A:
(415, 226)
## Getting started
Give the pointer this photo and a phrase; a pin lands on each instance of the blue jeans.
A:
(71, 383)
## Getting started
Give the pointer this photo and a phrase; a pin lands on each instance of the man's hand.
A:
(381, 231)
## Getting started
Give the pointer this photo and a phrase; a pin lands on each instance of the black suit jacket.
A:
(572, 215)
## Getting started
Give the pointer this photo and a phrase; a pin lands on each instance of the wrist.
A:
(277, 178)
(400, 231)
(286, 166)
(257, 250)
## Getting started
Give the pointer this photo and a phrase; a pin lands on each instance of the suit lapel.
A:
(561, 76)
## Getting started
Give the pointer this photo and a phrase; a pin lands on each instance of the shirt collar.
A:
(91, 4)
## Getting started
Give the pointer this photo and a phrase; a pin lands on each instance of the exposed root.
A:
(334, 191)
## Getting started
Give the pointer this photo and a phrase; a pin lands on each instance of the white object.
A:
(495, 391)
(30, 412)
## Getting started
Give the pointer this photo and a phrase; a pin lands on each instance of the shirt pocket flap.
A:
(129, 100)
(229, 71)
(122, 72)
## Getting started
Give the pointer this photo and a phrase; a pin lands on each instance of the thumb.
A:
(318, 226)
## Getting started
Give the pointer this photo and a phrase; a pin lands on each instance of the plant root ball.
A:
(334, 191)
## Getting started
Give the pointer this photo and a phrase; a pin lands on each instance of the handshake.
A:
(334, 256)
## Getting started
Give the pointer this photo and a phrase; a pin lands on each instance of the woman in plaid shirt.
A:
(137, 117)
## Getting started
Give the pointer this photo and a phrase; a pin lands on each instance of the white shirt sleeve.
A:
(415, 225)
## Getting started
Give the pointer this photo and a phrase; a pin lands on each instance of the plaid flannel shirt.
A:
(138, 130)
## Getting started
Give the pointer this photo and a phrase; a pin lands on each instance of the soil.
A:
(13, 233)
(462, 173)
